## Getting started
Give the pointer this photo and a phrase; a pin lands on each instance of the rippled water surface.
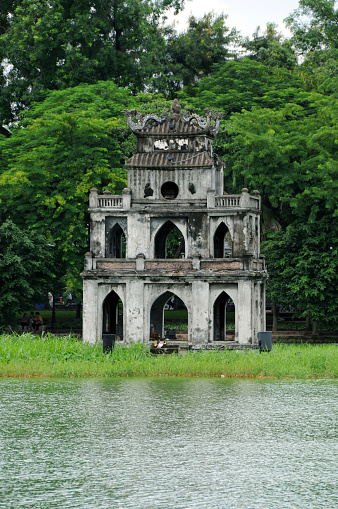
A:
(171, 443)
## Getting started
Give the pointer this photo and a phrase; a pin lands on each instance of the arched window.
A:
(116, 243)
(222, 248)
(169, 242)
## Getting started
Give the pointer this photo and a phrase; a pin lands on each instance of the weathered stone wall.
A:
(191, 182)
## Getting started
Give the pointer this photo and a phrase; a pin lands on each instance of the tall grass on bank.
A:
(27, 355)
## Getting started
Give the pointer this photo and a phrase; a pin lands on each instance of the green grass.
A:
(173, 314)
(176, 325)
(50, 356)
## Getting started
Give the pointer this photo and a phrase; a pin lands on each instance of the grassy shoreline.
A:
(49, 356)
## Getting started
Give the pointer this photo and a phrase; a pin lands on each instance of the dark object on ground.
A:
(170, 334)
(265, 341)
(108, 341)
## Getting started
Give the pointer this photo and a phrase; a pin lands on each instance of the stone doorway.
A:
(113, 316)
(224, 311)
(157, 319)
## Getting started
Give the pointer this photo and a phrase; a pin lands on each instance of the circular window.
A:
(169, 190)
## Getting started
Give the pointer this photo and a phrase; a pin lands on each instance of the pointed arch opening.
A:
(113, 316)
(116, 243)
(169, 242)
(222, 242)
(168, 317)
(224, 317)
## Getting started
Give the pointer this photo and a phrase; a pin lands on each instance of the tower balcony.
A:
(109, 201)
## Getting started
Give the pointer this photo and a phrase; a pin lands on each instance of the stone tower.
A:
(175, 186)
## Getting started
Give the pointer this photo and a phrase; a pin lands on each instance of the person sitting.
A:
(24, 322)
(31, 320)
(38, 321)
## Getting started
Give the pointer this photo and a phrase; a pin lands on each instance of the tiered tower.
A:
(175, 184)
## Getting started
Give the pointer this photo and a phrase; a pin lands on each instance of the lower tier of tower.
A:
(130, 304)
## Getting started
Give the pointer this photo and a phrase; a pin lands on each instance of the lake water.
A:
(168, 444)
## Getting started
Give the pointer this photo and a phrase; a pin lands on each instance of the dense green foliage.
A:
(303, 268)
(64, 43)
(25, 269)
(192, 54)
(65, 148)
(69, 70)
(51, 356)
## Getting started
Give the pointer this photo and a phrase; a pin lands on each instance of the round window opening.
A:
(169, 190)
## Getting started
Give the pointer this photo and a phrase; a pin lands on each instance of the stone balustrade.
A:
(227, 201)
(107, 200)
(113, 201)
(242, 201)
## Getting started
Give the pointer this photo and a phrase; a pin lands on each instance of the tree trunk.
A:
(274, 316)
(179, 249)
(308, 323)
(314, 327)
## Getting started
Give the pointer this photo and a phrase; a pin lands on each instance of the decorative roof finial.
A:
(175, 108)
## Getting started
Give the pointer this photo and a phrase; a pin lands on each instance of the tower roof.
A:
(173, 123)
(170, 160)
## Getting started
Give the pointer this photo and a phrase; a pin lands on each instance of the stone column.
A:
(97, 234)
(90, 331)
(134, 311)
(93, 197)
(126, 198)
(88, 261)
(140, 261)
(199, 320)
(245, 198)
(211, 193)
(244, 319)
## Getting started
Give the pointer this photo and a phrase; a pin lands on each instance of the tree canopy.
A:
(64, 43)
(303, 268)
(72, 141)
(25, 268)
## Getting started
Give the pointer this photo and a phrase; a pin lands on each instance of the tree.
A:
(74, 140)
(290, 155)
(192, 53)
(242, 84)
(314, 25)
(63, 43)
(303, 269)
(25, 269)
(271, 48)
